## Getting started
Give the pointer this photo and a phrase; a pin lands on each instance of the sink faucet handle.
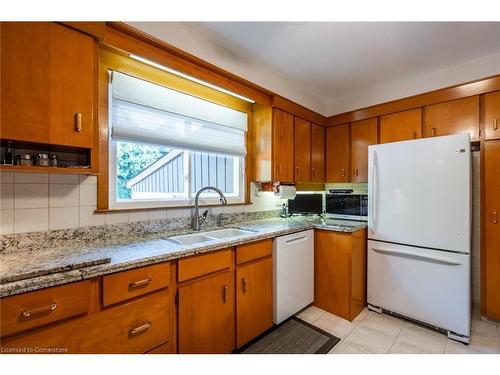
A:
(203, 217)
(221, 218)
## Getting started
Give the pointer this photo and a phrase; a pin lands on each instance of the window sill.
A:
(169, 207)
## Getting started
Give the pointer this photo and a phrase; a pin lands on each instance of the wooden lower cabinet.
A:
(340, 272)
(206, 315)
(254, 299)
(134, 327)
(491, 253)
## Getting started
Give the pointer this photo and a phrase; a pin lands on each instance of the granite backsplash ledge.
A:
(116, 233)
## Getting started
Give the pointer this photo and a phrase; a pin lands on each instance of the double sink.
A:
(197, 238)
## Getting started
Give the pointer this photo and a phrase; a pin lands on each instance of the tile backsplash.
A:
(32, 202)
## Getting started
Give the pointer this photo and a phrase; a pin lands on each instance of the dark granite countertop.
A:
(24, 270)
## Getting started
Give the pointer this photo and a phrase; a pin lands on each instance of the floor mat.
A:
(293, 336)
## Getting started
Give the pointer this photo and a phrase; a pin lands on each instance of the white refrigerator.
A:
(419, 231)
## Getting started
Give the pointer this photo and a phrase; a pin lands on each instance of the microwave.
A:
(347, 206)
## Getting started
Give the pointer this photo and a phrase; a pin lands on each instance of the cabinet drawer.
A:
(247, 252)
(199, 265)
(135, 327)
(33, 309)
(128, 284)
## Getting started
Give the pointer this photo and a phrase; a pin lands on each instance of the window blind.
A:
(148, 113)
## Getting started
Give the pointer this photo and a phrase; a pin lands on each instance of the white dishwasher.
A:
(293, 276)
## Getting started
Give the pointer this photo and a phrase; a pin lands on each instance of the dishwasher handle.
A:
(297, 239)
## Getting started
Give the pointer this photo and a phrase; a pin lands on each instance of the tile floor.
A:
(371, 332)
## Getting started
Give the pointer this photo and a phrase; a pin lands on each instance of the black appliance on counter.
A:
(306, 204)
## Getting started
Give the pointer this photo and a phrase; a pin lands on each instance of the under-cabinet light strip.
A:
(177, 73)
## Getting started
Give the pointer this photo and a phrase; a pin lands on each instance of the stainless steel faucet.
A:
(197, 219)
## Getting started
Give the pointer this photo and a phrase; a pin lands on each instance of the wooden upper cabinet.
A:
(317, 153)
(492, 115)
(302, 150)
(363, 134)
(48, 74)
(492, 230)
(282, 146)
(337, 153)
(453, 117)
(401, 126)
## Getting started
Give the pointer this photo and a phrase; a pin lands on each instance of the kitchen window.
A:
(165, 145)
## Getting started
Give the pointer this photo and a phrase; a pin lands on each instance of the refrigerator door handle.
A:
(434, 259)
(373, 192)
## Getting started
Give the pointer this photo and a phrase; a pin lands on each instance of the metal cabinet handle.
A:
(495, 217)
(495, 124)
(433, 132)
(244, 284)
(297, 170)
(356, 172)
(225, 291)
(39, 310)
(343, 172)
(139, 283)
(78, 122)
(314, 172)
(140, 329)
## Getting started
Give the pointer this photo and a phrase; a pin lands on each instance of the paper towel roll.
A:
(286, 192)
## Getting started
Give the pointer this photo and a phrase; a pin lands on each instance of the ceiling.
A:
(332, 60)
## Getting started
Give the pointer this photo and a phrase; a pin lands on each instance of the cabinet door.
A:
(332, 272)
(492, 115)
(492, 229)
(254, 300)
(401, 126)
(337, 153)
(363, 134)
(282, 153)
(47, 78)
(302, 150)
(453, 117)
(206, 315)
(317, 153)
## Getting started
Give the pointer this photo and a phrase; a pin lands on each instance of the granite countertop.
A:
(31, 270)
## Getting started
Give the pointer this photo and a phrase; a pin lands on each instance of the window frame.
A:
(107, 163)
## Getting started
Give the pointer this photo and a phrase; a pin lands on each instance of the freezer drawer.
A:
(427, 285)
(293, 274)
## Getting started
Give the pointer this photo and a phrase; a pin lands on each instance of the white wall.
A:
(31, 202)
(401, 88)
(190, 39)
